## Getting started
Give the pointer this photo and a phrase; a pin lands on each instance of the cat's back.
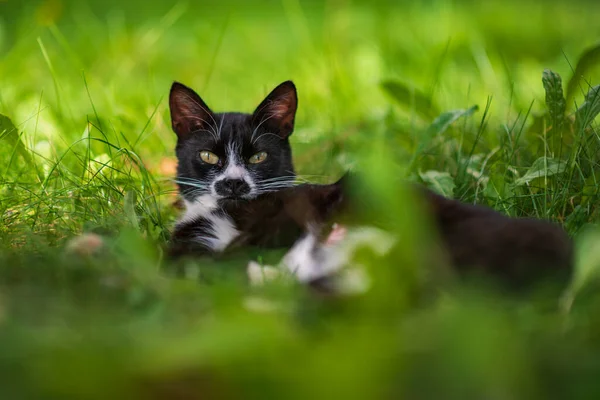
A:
(519, 250)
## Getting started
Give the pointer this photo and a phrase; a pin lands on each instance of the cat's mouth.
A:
(234, 199)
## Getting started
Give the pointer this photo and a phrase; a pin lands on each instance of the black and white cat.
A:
(236, 177)
(516, 252)
(229, 157)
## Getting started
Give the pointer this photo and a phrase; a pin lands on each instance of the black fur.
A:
(198, 129)
(519, 251)
(272, 220)
(516, 251)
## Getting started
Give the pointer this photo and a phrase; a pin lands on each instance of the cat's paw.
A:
(258, 274)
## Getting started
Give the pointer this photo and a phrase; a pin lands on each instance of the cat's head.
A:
(232, 155)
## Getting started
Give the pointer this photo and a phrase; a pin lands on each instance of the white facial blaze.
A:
(235, 169)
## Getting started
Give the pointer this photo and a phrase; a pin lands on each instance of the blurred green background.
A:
(388, 86)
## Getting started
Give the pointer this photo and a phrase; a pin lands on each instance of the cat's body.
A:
(519, 251)
(275, 219)
(474, 239)
(235, 175)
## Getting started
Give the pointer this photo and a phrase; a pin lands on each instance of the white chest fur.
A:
(220, 230)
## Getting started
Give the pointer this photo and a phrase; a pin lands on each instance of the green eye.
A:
(258, 158)
(208, 157)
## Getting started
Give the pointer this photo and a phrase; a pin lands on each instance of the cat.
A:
(235, 174)
(224, 158)
(474, 240)
(516, 252)
(273, 219)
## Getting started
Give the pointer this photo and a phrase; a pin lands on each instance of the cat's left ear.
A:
(278, 110)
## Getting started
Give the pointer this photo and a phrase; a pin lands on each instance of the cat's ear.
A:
(188, 112)
(278, 110)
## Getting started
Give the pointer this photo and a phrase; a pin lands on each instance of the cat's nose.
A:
(232, 188)
(239, 187)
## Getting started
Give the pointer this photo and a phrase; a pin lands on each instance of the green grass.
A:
(387, 87)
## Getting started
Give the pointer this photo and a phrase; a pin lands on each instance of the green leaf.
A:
(439, 126)
(587, 61)
(9, 132)
(410, 97)
(587, 259)
(555, 100)
(542, 167)
(444, 120)
(589, 110)
(499, 190)
(440, 182)
(576, 219)
(129, 207)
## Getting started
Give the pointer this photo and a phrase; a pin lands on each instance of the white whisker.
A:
(220, 126)
(266, 133)
(208, 112)
(262, 121)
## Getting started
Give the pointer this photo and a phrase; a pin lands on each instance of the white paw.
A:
(308, 259)
(258, 274)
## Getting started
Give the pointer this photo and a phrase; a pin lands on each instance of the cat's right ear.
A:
(189, 113)
(278, 110)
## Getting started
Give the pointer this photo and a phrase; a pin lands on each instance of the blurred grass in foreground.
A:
(85, 84)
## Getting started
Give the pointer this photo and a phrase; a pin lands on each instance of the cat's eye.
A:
(208, 157)
(258, 157)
